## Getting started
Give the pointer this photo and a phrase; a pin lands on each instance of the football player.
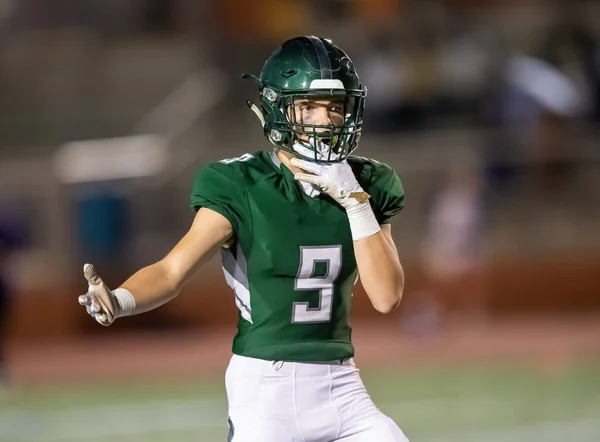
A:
(296, 226)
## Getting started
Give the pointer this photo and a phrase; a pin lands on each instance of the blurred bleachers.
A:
(441, 102)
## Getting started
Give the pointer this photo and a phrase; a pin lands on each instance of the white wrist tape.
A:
(126, 302)
(362, 221)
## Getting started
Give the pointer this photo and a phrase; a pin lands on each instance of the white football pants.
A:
(302, 402)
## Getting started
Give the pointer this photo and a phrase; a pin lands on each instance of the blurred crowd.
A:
(426, 62)
(525, 74)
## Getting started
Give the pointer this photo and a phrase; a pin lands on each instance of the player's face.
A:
(318, 112)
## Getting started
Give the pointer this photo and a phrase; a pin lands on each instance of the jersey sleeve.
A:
(387, 192)
(215, 189)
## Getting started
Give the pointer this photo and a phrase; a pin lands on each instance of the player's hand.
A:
(335, 179)
(99, 301)
(338, 181)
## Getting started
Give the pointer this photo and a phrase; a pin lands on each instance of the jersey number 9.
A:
(306, 280)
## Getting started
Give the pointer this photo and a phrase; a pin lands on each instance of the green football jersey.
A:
(292, 266)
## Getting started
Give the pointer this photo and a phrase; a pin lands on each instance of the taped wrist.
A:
(362, 221)
(126, 302)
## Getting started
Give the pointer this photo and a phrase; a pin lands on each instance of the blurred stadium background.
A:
(488, 110)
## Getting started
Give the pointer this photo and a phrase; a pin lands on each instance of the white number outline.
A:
(245, 157)
(306, 281)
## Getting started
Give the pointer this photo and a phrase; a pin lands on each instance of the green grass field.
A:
(483, 404)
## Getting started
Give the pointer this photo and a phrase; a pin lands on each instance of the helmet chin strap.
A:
(254, 108)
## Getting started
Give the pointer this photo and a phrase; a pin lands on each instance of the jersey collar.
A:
(308, 188)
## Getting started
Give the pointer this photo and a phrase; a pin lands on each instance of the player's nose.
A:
(321, 117)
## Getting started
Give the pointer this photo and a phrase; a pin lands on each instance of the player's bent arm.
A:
(160, 282)
(380, 270)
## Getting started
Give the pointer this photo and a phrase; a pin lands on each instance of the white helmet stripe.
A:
(326, 84)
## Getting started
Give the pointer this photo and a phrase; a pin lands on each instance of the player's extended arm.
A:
(158, 283)
(378, 265)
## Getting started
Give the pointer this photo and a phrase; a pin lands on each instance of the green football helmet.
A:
(310, 68)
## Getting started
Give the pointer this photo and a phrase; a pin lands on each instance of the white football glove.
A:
(102, 304)
(339, 182)
(335, 179)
